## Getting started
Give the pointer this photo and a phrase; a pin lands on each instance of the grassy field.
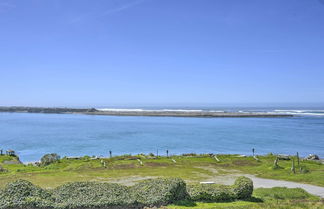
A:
(126, 169)
(277, 197)
(193, 168)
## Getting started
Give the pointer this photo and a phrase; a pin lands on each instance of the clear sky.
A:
(104, 52)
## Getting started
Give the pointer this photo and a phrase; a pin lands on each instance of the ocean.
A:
(32, 135)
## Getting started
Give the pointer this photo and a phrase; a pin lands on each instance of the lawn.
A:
(192, 168)
(126, 169)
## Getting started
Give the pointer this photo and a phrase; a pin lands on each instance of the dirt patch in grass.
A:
(244, 163)
(155, 164)
(123, 166)
(304, 201)
(127, 158)
(226, 165)
(211, 169)
(131, 180)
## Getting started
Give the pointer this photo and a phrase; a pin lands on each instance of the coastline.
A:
(139, 112)
(207, 114)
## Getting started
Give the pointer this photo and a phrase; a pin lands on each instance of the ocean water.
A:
(33, 135)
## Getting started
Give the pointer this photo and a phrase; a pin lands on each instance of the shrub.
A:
(92, 195)
(23, 194)
(189, 154)
(210, 192)
(2, 170)
(157, 192)
(303, 169)
(49, 158)
(243, 187)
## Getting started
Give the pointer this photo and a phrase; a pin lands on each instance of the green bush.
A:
(243, 187)
(304, 169)
(49, 158)
(92, 195)
(210, 192)
(161, 191)
(23, 194)
(2, 170)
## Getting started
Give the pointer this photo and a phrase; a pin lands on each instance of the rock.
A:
(312, 157)
(207, 182)
(73, 158)
(33, 164)
(283, 157)
(11, 162)
(241, 156)
(92, 110)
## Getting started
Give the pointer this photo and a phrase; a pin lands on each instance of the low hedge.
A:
(22, 194)
(210, 192)
(92, 195)
(161, 191)
(241, 189)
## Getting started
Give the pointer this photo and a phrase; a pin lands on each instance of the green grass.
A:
(189, 204)
(264, 168)
(282, 193)
(190, 168)
(277, 197)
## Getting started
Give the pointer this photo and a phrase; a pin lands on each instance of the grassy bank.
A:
(129, 169)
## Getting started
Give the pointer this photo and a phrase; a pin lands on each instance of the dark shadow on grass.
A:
(253, 199)
(191, 203)
(185, 203)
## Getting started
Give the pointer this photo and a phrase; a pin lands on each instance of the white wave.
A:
(119, 110)
(291, 112)
(146, 110)
(241, 111)
(299, 111)
(220, 111)
(302, 112)
(178, 110)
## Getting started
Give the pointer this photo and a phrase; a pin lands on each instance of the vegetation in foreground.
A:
(128, 169)
(269, 198)
(148, 193)
(53, 174)
(152, 193)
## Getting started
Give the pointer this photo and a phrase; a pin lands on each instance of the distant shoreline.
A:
(137, 112)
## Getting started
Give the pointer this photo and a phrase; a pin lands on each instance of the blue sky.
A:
(108, 52)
